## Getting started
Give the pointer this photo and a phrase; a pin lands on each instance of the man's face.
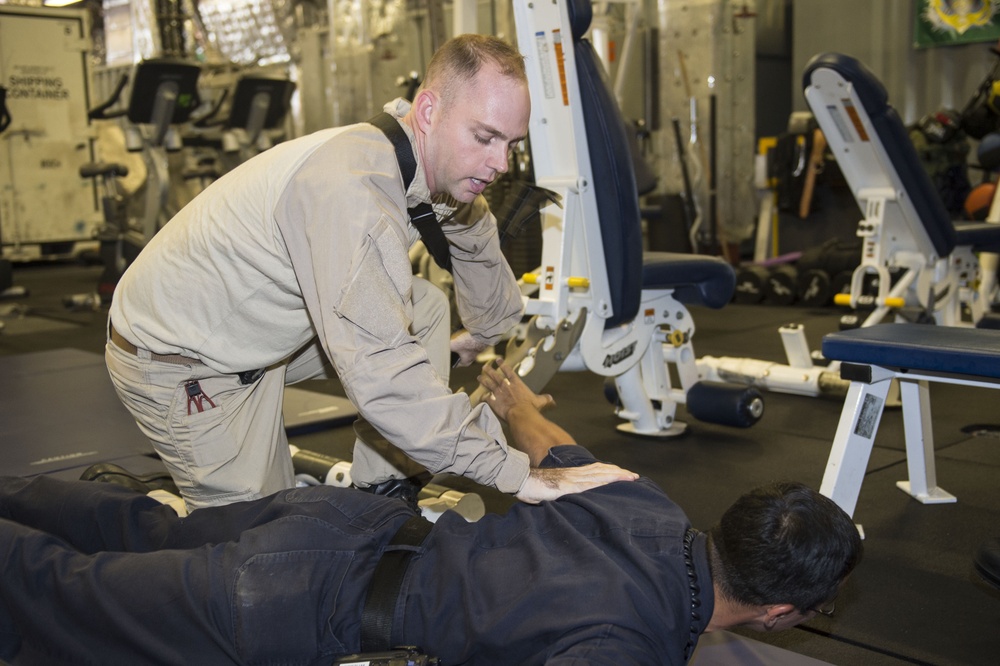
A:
(471, 135)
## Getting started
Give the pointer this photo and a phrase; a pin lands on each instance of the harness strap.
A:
(422, 215)
(383, 590)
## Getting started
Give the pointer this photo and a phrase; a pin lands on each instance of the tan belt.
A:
(127, 346)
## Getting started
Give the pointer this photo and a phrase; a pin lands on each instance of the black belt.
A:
(383, 591)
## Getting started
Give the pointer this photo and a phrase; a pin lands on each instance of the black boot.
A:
(141, 483)
(987, 561)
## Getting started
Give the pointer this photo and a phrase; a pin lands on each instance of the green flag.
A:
(948, 22)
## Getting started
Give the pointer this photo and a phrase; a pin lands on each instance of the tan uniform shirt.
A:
(310, 239)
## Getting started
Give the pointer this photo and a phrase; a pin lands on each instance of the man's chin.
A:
(464, 196)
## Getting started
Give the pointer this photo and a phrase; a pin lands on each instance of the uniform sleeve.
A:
(340, 223)
(489, 300)
(567, 455)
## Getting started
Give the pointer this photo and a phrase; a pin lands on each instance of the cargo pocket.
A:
(208, 433)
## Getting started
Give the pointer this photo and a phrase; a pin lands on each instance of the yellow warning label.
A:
(557, 41)
(852, 113)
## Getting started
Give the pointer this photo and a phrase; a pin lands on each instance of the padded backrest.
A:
(842, 123)
(614, 177)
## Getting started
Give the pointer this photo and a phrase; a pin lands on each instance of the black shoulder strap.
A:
(422, 215)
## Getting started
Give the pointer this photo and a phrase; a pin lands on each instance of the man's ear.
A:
(776, 613)
(424, 106)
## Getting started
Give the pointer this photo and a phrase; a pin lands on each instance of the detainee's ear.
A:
(776, 613)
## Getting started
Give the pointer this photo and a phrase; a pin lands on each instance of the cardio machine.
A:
(236, 127)
(259, 104)
(162, 95)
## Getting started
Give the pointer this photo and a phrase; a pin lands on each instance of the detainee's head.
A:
(471, 110)
(784, 543)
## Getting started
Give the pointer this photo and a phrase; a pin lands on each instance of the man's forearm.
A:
(533, 433)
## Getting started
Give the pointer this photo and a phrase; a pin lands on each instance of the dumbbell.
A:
(781, 286)
(814, 288)
(750, 284)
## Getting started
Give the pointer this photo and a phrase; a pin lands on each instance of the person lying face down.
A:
(611, 574)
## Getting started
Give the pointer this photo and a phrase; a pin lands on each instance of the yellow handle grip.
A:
(890, 302)
(571, 282)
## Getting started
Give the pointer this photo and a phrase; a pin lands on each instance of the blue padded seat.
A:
(983, 236)
(943, 349)
(695, 279)
(701, 279)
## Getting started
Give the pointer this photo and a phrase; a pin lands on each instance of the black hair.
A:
(783, 543)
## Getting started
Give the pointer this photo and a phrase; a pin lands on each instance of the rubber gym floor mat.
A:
(58, 410)
(915, 595)
(28, 325)
(305, 411)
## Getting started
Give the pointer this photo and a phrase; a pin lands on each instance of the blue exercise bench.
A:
(924, 262)
(906, 228)
(914, 355)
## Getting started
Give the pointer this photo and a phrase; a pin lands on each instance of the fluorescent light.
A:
(60, 3)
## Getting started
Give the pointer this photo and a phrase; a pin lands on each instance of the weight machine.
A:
(917, 264)
(600, 303)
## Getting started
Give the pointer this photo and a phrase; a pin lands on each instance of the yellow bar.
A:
(891, 302)
(571, 282)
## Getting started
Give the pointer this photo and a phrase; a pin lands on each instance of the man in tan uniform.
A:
(298, 258)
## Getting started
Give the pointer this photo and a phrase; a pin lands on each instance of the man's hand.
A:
(466, 347)
(507, 390)
(549, 484)
(514, 402)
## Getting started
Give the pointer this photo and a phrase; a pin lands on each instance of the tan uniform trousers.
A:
(224, 441)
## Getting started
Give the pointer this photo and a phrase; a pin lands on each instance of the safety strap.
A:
(422, 215)
(383, 591)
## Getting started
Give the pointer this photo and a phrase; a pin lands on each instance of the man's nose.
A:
(498, 159)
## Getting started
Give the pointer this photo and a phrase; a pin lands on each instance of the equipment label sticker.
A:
(871, 408)
(838, 120)
(544, 65)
